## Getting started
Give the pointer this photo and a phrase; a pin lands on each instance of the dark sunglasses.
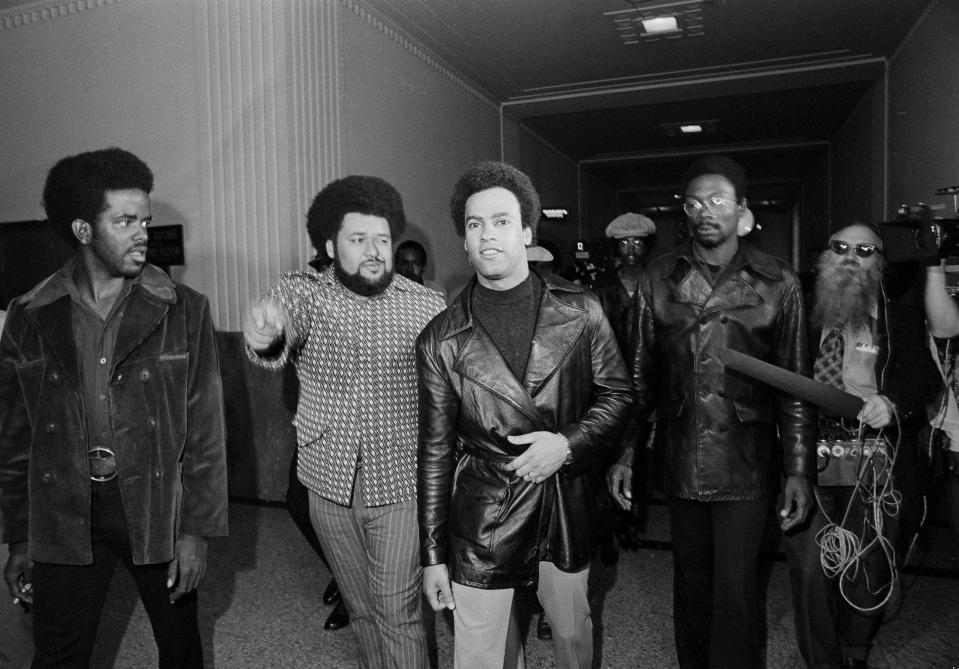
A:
(841, 248)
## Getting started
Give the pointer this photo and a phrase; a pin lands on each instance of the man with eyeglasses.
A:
(717, 431)
(112, 441)
(875, 348)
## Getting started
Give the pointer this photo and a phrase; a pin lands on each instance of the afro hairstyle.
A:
(353, 194)
(493, 174)
(720, 165)
(76, 186)
(412, 245)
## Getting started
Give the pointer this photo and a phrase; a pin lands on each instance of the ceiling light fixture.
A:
(688, 128)
(660, 25)
(664, 20)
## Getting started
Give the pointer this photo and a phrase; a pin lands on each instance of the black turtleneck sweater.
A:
(509, 317)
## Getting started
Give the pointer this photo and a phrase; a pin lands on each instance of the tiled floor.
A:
(261, 607)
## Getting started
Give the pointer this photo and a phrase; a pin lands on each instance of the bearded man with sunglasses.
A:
(877, 349)
(722, 439)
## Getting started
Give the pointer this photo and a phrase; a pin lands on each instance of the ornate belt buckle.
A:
(103, 464)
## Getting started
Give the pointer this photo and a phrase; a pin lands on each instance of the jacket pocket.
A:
(476, 508)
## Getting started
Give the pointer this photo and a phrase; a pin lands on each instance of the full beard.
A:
(845, 295)
(358, 283)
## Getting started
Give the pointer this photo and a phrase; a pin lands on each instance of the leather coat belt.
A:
(484, 454)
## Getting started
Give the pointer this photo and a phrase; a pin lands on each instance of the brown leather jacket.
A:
(488, 526)
(718, 430)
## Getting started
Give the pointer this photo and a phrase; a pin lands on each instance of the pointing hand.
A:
(265, 324)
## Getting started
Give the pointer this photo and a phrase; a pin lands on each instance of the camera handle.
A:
(954, 192)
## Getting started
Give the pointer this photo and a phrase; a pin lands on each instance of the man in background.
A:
(411, 263)
(112, 442)
(349, 330)
(631, 236)
(876, 349)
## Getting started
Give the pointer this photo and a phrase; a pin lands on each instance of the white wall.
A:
(924, 111)
(94, 78)
(244, 109)
(409, 120)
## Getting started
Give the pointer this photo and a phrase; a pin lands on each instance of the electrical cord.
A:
(842, 549)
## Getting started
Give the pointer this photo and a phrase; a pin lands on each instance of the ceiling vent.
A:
(659, 21)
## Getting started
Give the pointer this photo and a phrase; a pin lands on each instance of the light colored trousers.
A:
(487, 636)
(374, 555)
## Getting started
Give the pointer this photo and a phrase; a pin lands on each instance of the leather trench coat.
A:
(722, 436)
(489, 527)
(166, 409)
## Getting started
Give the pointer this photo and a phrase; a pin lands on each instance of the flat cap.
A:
(538, 254)
(630, 225)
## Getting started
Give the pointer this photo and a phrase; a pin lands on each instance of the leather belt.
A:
(484, 454)
(103, 464)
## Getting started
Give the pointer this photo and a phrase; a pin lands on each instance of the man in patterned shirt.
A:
(349, 330)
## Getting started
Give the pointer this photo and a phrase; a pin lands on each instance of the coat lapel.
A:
(734, 292)
(480, 361)
(142, 316)
(693, 289)
(558, 327)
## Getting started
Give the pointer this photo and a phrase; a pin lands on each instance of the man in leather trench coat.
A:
(722, 438)
(523, 374)
(112, 442)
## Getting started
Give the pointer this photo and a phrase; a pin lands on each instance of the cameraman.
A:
(942, 317)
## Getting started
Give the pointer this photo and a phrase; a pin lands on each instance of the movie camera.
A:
(917, 235)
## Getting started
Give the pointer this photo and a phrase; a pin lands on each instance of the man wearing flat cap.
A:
(630, 237)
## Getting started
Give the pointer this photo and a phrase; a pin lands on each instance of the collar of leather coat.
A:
(459, 316)
(746, 256)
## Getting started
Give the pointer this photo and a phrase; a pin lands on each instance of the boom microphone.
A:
(827, 397)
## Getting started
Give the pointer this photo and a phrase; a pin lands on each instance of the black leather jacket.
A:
(718, 430)
(620, 308)
(488, 526)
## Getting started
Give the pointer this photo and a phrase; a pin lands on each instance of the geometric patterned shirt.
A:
(355, 361)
